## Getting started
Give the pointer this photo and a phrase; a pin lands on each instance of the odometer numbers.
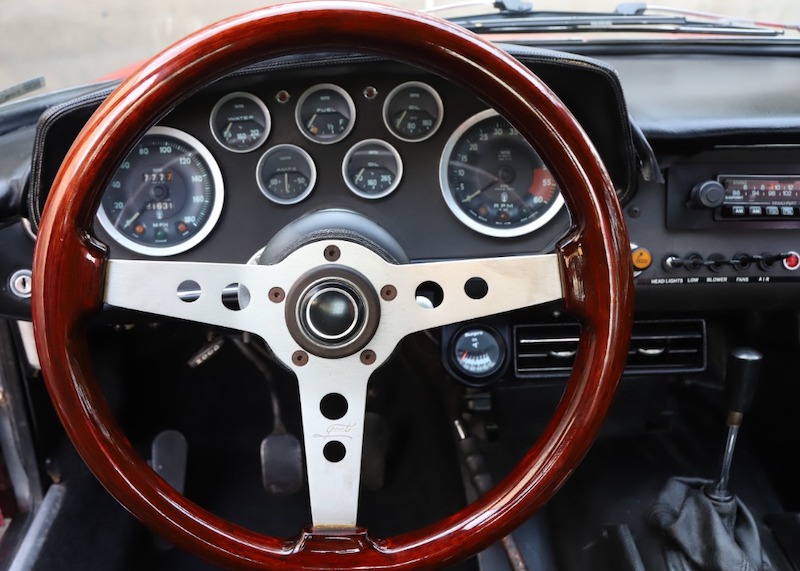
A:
(165, 197)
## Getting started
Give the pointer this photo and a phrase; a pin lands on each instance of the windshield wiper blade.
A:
(20, 89)
(639, 8)
(630, 19)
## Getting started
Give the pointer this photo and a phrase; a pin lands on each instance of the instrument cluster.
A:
(168, 194)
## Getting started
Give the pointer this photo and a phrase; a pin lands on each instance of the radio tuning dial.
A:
(707, 194)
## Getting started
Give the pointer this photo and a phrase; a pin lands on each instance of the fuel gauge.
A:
(325, 113)
(478, 352)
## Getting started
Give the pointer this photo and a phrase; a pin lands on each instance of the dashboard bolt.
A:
(370, 92)
(332, 253)
(634, 212)
(282, 96)
(300, 358)
(277, 295)
(368, 357)
(388, 292)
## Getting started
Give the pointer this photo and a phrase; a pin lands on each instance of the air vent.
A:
(664, 346)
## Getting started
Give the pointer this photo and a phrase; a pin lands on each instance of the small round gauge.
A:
(372, 168)
(325, 113)
(286, 174)
(478, 352)
(413, 111)
(240, 122)
(494, 181)
(165, 197)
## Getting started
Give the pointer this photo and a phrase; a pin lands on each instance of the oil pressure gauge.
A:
(477, 353)
(372, 168)
(413, 111)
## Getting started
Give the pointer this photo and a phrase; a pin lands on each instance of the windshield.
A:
(71, 42)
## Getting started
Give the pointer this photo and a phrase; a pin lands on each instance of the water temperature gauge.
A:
(478, 352)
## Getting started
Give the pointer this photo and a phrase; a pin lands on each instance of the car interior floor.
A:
(659, 427)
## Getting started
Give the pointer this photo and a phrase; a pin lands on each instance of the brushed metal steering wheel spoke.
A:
(235, 296)
(333, 396)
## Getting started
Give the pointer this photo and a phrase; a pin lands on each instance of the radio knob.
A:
(707, 194)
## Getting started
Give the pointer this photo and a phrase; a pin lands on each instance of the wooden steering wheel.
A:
(590, 271)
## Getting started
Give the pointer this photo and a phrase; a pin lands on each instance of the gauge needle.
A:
(286, 182)
(130, 220)
(464, 355)
(359, 176)
(486, 175)
(400, 119)
(310, 124)
(227, 130)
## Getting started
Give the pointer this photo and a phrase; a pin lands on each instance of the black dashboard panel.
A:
(694, 138)
(415, 213)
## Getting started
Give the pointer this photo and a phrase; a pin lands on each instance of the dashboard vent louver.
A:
(662, 346)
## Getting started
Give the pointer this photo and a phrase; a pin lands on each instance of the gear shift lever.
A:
(743, 371)
(705, 525)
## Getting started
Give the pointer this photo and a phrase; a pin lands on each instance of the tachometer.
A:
(165, 197)
(494, 181)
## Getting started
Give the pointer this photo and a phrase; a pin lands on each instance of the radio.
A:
(749, 197)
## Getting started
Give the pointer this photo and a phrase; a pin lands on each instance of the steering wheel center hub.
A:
(332, 311)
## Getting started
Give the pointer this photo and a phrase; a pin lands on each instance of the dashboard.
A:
(227, 169)
(285, 150)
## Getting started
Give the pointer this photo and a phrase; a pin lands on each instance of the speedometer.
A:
(494, 181)
(165, 197)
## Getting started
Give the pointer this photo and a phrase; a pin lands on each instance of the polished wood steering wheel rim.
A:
(69, 278)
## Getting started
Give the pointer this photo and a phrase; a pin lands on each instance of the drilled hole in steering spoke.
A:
(333, 406)
(189, 291)
(334, 451)
(235, 296)
(429, 295)
(476, 288)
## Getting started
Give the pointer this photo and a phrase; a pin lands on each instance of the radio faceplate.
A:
(752, 197)
(761, 188)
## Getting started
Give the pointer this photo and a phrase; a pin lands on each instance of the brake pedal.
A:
(168, 455)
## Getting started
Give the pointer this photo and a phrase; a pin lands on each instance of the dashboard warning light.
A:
(792, 261)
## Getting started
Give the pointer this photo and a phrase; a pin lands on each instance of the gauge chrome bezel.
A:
(213, 215)
(310, 91)
(439, 106)
(466, 219)
(255, 99)
(357, 191)
(312, 174)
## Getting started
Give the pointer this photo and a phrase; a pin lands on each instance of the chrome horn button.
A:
(332, 311)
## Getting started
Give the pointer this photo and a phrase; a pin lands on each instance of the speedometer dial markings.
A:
(494, 181)
(165, 197)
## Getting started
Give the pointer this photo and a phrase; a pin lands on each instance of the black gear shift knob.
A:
(743, 372)
(741, 377)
